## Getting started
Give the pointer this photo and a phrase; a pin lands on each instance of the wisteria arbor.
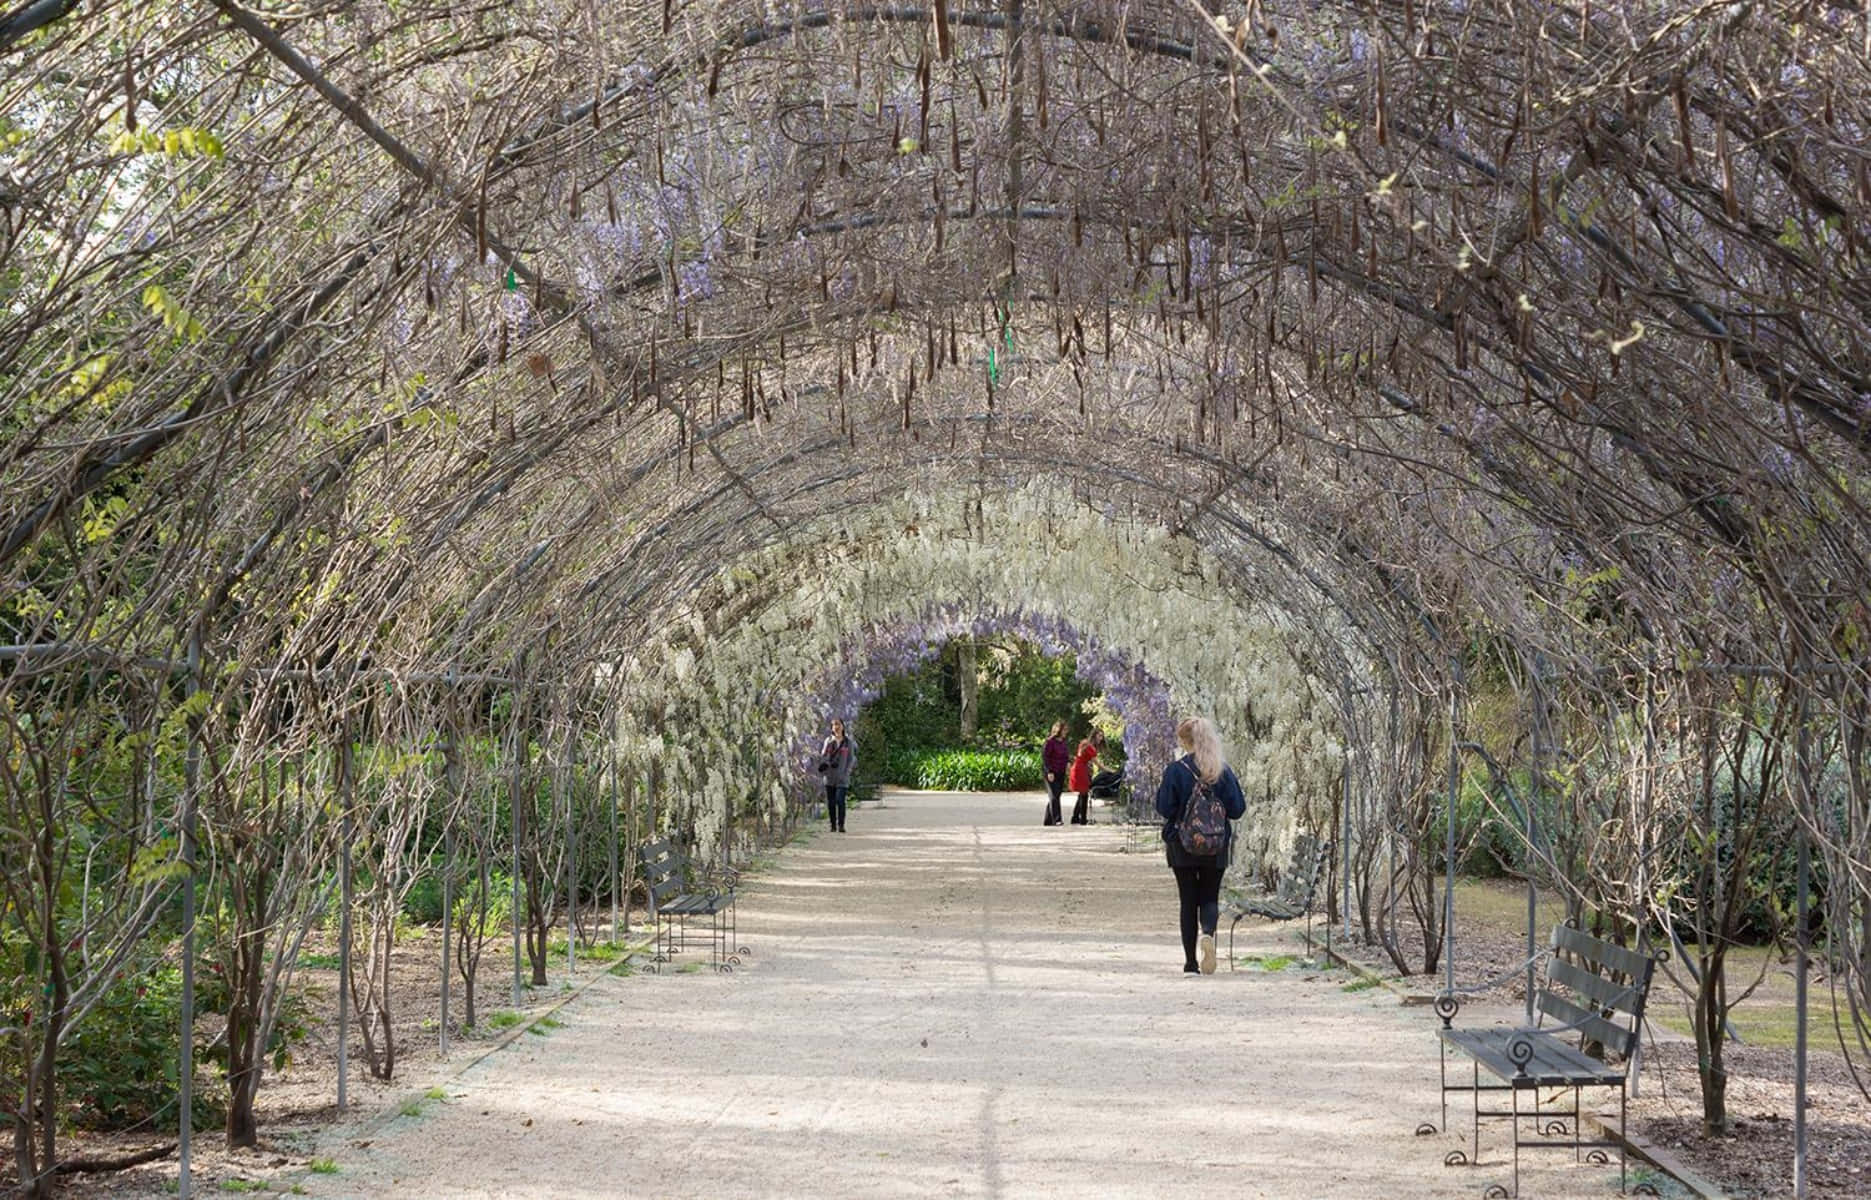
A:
(413, 403)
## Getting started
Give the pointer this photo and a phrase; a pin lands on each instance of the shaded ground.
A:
(948, 1000)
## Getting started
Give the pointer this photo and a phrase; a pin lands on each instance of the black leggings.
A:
(835, 805)
(1053, 787)
(1081, 812)
(1198, 886)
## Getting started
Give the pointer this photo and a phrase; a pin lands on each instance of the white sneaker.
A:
(1205, 951)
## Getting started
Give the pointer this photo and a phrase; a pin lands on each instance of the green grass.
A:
(324, 1166)
(624, 969)
(503, 1018)
(436, 1093)
(689, 968)
(242, 1185)
(319, 962)
(1765, 1019)
(1359, 985)
(411, 1107)
(595, 952)
(1269, 962)
(1768, 1018)
(544, 1026)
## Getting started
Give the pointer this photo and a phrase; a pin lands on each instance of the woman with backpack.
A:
(1198, 798)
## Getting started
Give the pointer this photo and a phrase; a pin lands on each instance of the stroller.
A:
(1104, 784)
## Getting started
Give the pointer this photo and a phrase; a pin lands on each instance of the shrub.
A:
(422, 904)
(967, 770)
(117, 1067)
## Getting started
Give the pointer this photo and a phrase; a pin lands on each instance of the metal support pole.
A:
(451, 768)
(1802, 971)
(518, 749)
(1803, 941)
(616, 882)
(569, 794)
(1538, 790)
(1448, 891)
(630, 833)
(345, 792)
(1633, 1078)
(185, 1067)
(1344, 848)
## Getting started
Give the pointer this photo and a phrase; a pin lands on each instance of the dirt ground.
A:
(951, 1000)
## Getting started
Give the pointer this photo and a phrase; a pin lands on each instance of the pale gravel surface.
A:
(949, 1000)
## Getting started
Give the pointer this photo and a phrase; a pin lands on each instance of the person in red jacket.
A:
(1081, 776)
(1053, 758)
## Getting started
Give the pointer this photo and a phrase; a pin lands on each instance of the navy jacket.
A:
(1179, 784)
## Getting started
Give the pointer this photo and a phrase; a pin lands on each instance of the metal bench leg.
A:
(1536, 1117)
(1624, 1157)
(1476, 1094)
(1444, 1047)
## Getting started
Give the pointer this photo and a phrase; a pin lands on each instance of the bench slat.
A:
(1554, 1063)
(1605, 993)
(1590, 1025)
(1603, 953)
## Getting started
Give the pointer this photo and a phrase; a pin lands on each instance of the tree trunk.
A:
(245, 1051)
(538, 924)
(25, 1153)
(968, 680)
(42, 1081)
(1711, 1013)
(243, 1128)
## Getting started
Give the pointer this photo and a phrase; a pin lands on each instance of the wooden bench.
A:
(1294, 898)
(1594, 991)
(677, 894)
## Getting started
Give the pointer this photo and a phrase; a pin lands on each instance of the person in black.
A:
(836, 758)
(1054, 758)
(1198, 878)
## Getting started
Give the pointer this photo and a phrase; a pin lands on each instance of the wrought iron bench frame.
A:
(1594, 989)
(676, 894)
(1294, 898)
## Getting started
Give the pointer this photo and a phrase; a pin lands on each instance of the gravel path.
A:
(950, 1000)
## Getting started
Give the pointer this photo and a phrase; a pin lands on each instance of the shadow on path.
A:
(950, 1000)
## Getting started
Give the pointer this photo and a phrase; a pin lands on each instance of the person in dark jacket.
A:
(836, 759)
(1053, 759)
(1198, 878)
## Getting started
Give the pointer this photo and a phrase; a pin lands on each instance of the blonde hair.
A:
(1197, 735)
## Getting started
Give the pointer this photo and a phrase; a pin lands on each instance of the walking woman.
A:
(1198, 799)
(836, 759)
(1081, 776)
(1053, 758)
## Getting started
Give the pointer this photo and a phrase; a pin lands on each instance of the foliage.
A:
(1022, 692)
(119, 1064)
(967, 770)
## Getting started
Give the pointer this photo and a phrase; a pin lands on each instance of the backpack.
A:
(1203, 829)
